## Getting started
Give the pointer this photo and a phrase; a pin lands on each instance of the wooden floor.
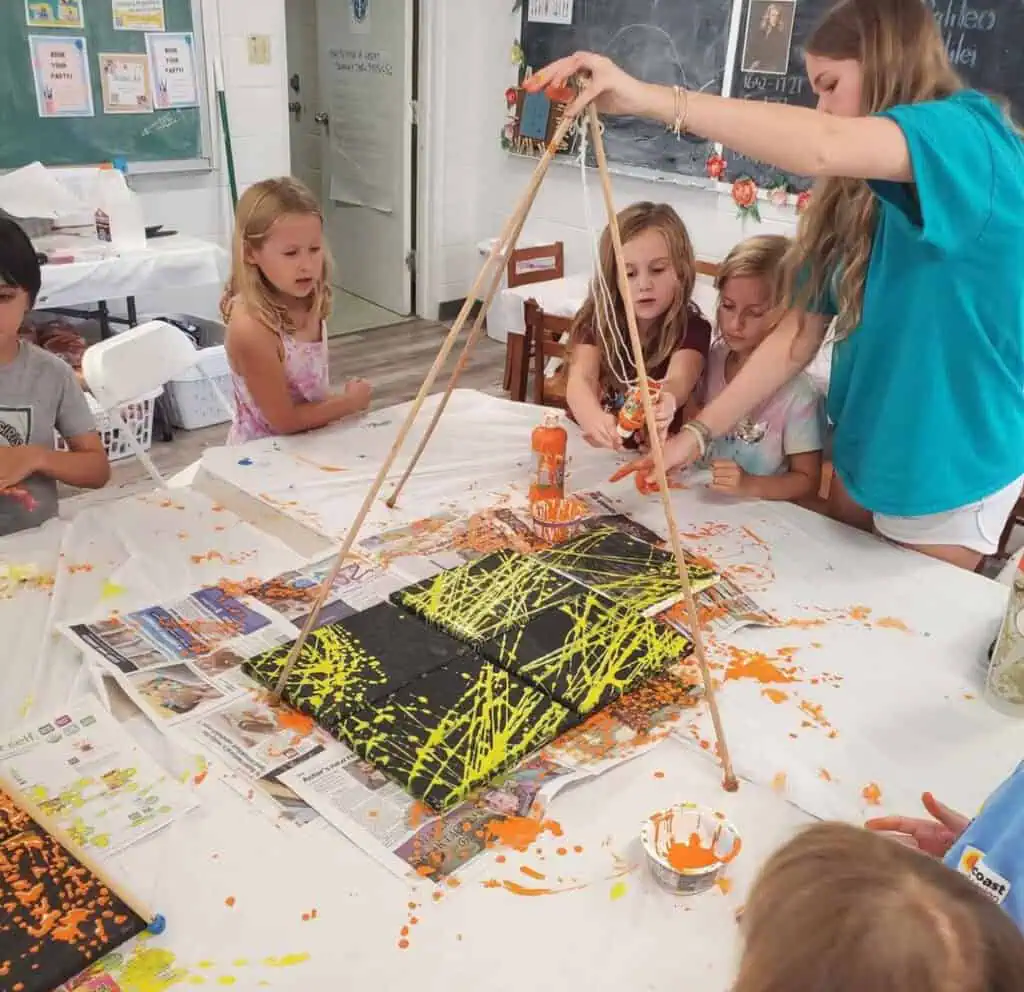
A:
(395, 359)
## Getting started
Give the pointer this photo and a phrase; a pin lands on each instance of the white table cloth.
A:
(104, 273)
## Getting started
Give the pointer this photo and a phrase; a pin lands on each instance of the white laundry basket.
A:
(138, 418)
(192, 401)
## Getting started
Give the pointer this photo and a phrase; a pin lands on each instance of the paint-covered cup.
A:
(688, 846)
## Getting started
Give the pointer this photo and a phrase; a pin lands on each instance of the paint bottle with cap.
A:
(548, 441)
(1004, 684)
(119, 215)
(631, 414)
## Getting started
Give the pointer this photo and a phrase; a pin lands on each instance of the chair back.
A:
(541, 263)
(548, 338)
(137, 361)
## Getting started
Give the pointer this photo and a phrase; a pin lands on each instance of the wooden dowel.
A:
(730, 782)
(154, 921)
(475, 330)
(514, 224)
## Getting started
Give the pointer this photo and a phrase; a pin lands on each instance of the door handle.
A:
(323, 119)
(295, 107)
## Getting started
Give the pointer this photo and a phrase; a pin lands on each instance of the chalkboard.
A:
(173, 138)
(985, 45)
(675, 42)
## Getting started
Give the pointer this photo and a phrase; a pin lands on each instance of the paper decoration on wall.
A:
(629, 571)
(587, 652)
(54, 14)
(56, 917)
(355, 663)
(476, 601)
(550, 11)
(126, 83)
(60, 68)
(534, 120)
(138, 15)
(173, 61)
(456, 729)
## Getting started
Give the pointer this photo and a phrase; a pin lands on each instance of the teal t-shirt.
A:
(990, 851)
(927, 394)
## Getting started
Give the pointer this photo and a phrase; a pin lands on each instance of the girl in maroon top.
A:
(662, 271)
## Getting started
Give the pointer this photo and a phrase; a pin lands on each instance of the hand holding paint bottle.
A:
(631, 416)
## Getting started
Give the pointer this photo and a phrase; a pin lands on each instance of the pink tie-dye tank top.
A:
(305, 368)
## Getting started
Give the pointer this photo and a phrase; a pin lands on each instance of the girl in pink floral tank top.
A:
(276, 306)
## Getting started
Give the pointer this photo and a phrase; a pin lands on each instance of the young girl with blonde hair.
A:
(843, 909)
(913, 239)
(662, 270)
(774, 452)
(276, 306)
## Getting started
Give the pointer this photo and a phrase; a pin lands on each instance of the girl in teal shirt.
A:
(913, 241)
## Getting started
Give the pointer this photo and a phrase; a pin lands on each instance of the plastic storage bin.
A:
(138, 418)
(192, 401)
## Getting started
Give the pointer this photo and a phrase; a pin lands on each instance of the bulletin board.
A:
(149, 137)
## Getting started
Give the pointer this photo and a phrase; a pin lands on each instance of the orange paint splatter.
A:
(578, 849)
(825, 775)
(892, 623)
(519, 832)
(872, 794)
(562, 852)
(532, 873)
(659, 774)
(403, 944)
(452, 882)
(755, 665)
(690, 856)
(775, 695)
(293, 720)
(859, 612)
(724, 885)
(779, 782)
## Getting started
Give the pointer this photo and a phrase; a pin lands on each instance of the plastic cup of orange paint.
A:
(688, 847)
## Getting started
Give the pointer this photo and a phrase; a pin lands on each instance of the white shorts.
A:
(977, 526)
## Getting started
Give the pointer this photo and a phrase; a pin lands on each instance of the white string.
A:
(605, 321)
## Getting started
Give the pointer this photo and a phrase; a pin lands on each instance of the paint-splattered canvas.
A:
(476, 601)
(56, 917)
(587, 651)
(629, 571)
(357, 662)
(455, 729)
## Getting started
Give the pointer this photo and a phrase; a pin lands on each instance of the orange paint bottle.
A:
(548, 442)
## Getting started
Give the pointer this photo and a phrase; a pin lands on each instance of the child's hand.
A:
(357, 394)
(727, 477)
(602, 432)
(18, 462)
(934, 837)
(664, 412)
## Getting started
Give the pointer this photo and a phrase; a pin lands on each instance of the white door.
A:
(366, 91)
(305, 134)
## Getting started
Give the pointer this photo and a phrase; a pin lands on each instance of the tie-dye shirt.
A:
(790, 423)
(305, 368)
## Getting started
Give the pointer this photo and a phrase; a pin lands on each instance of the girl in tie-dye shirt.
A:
(775, 453)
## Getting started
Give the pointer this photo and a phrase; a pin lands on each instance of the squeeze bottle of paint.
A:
(1004, 686)
(548, 442)
(631, 416)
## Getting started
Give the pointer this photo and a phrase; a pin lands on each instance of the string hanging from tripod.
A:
(606, 322)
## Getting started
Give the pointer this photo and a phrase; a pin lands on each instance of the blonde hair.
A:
(760, 257)
(259, 209)
(903, 60)
(663, 337)
(844, 909)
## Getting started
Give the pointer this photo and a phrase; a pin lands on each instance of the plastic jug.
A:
(119, 216)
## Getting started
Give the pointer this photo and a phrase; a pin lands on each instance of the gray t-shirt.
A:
(38, 392)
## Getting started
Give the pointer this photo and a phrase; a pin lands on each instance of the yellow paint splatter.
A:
(724, 885)
(226, 980)
(111, 590)
(286, 960)
(150, 969)
(618, 891)
(779, 782)
(206, 964)
(240, 962)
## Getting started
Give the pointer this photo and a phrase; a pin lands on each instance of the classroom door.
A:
(367, 90)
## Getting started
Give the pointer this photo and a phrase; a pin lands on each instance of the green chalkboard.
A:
(168, 137)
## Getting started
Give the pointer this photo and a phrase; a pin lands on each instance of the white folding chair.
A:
(139, 361)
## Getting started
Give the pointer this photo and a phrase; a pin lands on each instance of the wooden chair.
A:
(526, 266)
(707, 268)
(546, 338)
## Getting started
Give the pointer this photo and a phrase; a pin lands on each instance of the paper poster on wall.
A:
(54, 13)
(550, 11)
(769, 34)
(60, 67)
(172, 57)
(359, 16)
(138, 15)
(366, 115)
(126, 83)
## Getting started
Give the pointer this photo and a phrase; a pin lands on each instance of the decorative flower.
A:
(802, 201)
(779, 196)
(518, 55)
(511, 96)
(744, 195)
(716, 166)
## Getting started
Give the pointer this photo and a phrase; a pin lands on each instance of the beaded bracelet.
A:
(701, 432)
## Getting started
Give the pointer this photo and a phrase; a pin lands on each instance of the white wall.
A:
(478, 185)
(199, 204)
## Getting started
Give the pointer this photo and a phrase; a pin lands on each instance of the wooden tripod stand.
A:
(495, 264)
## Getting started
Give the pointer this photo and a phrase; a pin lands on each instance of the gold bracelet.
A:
(701, 433)
(683, 97)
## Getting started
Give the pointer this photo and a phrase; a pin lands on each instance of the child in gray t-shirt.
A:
(38, 394)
